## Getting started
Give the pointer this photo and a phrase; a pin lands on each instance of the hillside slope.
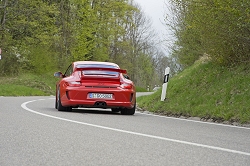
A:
(205, 90)
(28, 84)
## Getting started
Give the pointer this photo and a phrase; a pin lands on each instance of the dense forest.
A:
(218, 29)
(41, 36)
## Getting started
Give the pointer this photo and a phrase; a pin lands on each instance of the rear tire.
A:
(128, 111)
(56, 104)
(59, 105)
(56, 101)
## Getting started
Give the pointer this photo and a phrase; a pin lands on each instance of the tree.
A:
(27, 25)
(43, 34)
(219, 28)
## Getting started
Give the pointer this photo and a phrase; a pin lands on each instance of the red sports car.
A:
(95, 84)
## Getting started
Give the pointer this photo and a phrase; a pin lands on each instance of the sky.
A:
(156, 10)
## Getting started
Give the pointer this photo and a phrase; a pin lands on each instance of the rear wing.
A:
(103, 69)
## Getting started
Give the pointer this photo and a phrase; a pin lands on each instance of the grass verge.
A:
(28, 85)
(140, 89)
(207, 91)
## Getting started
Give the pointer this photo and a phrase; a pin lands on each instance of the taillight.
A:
(126, 86)
(73, 83)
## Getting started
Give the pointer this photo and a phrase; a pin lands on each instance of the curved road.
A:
(34, 133)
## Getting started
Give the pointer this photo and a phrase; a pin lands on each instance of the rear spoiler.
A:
(103, 69)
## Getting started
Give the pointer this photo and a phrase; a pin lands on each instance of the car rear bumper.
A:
(77, 97)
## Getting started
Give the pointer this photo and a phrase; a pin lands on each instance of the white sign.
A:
(165, 84)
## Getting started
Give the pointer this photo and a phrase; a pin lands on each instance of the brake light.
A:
(73, 83)
(126, 86)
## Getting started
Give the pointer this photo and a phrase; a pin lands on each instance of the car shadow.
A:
(94, 111)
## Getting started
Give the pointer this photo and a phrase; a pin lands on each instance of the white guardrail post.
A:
(165, 84)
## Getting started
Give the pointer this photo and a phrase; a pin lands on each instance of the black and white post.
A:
(0, 54)
(165, 84)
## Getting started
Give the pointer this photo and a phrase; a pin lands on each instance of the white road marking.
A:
(195, 121)
(23, 105)
(190, 120)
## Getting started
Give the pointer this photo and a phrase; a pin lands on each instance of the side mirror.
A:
(58, 74)
(126, 76)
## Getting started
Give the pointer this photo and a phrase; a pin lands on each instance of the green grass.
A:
(28, 85)
(19, 90)
(140, 89)
(207, 91)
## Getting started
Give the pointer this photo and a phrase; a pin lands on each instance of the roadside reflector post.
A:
(165, 84)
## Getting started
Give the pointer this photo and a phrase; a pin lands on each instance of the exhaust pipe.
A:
(100, 104)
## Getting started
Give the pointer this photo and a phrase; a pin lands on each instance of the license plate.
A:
(100, 96)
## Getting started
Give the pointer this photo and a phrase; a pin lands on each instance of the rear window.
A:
(97, 66)
(99, 72)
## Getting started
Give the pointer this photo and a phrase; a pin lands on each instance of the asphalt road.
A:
(34, 133)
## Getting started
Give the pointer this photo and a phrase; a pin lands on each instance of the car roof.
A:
(95, 62)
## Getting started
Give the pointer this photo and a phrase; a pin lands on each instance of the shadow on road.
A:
(95, 111)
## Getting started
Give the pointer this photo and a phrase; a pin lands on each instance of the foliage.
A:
(28, 25)
(219, 28)
(43, 35)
